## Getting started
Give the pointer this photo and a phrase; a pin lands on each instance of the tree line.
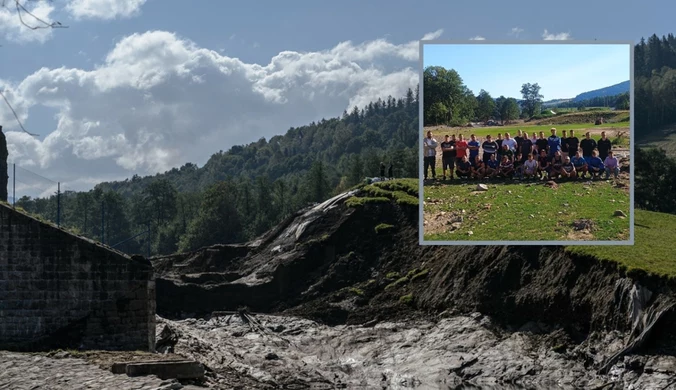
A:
(448, 101)
(243, 192)
(654, 84)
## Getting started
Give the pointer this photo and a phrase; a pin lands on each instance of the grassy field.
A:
(666, 141)
(580, 129)
(526, 212)
(653, 250)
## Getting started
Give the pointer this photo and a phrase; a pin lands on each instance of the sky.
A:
(562, 70)
(142, 86)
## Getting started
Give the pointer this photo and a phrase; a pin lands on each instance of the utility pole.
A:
(13, 183)
(58, 204)
(148, 241)
(103, 215)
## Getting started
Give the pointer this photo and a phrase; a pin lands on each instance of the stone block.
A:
(167, 369)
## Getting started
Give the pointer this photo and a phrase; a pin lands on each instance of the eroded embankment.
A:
(361, 263)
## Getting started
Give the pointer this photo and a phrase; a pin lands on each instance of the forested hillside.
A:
(241, 193)
(612, 90)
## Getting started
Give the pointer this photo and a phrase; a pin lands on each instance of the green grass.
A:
(356, 291)
(484, 131)
(402, 191)
(383, 227)
(356, 201)
(519, 212)
(406, 299)
(653, 250)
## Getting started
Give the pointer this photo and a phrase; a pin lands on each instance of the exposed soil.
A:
(328, 264)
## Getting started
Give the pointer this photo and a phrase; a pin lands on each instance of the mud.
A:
(447, 353)
(328, 264)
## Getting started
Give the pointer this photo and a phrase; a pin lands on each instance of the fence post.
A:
(58, 204)
(103, 214)
(13, 183)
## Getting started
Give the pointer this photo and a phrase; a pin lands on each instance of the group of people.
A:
(522, 157)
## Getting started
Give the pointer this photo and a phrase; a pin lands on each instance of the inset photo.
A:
(526, 143)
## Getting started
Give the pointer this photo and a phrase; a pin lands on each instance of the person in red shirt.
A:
(460, 148)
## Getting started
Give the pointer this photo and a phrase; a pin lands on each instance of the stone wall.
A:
(58, 290)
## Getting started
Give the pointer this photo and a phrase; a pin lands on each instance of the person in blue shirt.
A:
(473, 146)
(596, 167)
(580, 165)
(553, 143)
(492, 166)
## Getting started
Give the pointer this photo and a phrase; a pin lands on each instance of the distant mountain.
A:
(554, 102)
(607, 91)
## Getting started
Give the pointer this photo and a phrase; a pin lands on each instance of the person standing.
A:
(490, 148)
(573, 144)
(526, 147)
(430, 157)
(499, 141)
(541, 144)
(510, 142)
(553, 143)
(588, 144)
(473, 146)
(460, 149)
(448, 156)
(564, 144)
(604, 146)
(518, 139)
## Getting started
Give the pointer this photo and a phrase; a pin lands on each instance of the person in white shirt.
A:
(510, 142)
(430, 154)
(530, 167)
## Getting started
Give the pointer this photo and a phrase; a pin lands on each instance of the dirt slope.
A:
(359, 262)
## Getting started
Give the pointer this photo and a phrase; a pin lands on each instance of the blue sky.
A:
(141, 86)
(561, 70)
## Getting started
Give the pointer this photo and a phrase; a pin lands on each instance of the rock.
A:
(455, 226)
(481, 187)
(469, 233)
(167, 369)
(271, 356)
(551, 184)
(619, 213)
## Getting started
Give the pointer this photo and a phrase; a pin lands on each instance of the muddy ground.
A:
(338, 287)
(444, 352)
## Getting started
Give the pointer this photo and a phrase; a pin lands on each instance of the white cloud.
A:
(547, 36)
(158, 101)
(478, 38)
(12, 29)
(516, 31)
(104, 9)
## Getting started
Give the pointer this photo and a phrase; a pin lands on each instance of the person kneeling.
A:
(568, 169)
(492, 166)
(557, 166)
(463, 168)
(596, 166)
(612, 165)
(506, 167)
(518, 166)
(543, 165)
(530, 167)
(478, 169)
(580, 165)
